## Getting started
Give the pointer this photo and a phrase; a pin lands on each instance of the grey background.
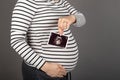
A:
(98, 40)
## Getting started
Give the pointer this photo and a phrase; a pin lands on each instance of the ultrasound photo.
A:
(58, 40)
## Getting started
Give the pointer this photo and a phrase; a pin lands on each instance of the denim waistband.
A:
(36, 74)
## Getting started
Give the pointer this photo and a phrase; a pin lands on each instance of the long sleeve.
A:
(21, 20)
(80, 18)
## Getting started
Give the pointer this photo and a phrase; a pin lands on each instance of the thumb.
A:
(60, 31)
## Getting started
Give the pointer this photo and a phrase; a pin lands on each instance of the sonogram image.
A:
(58, 40)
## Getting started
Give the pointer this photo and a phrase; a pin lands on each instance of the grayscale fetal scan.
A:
(58, 40)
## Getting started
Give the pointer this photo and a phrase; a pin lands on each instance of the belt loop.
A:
(69, 76)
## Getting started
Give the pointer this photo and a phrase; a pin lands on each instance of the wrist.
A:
(73, 18)
(44, 67)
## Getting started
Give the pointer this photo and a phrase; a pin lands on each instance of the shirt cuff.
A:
(41, 64)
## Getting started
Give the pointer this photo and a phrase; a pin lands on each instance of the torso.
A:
(44, 22)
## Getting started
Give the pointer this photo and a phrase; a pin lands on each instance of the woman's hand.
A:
(54, 69)
(65, 22)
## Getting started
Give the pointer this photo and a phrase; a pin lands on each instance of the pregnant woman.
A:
(32, 23)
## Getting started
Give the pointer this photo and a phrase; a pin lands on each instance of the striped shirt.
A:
(31, 25)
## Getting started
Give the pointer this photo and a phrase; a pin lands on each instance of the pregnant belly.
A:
(67, 57)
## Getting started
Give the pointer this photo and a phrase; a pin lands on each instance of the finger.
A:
(60, 31)
(60, 23)
(61, 67)
(62, 70)
(64, 25)
(63, 73)
(60, 76)
(67, 25)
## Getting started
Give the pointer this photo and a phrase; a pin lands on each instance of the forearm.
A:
(79, 17)
(21, 20)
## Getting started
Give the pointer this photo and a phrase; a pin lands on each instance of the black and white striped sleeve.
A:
(80, 18)
(21, 19)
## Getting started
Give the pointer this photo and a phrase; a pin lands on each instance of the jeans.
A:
(31, 73)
